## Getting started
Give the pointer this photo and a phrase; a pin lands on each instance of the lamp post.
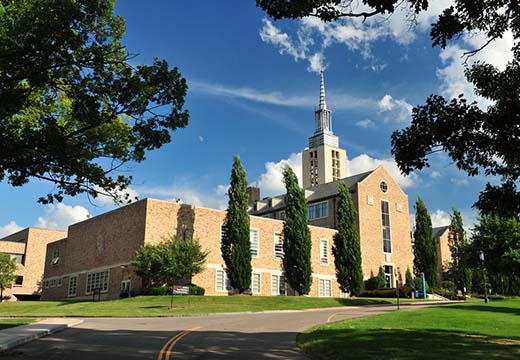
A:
(481, 257)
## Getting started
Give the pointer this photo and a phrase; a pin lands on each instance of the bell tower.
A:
(324, 161)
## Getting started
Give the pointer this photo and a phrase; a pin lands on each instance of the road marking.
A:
(165, 352)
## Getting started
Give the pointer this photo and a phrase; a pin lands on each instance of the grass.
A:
(8, 323)
(159, 305)
(470, 331)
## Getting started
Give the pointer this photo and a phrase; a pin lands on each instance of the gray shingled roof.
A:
(438, 231)
(319, 192)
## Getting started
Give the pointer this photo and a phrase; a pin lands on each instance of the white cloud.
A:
(105, 200)
(440, 218)
(313, 36)
(9, 228)
(399, 110)
(366, 123)
(460, 182)
(338, 100)
(453, 81)
(316, 63)
(271, 181)
(386, 103)
(60, 216)
(364, 163)
(188, 194)
(201, 139)
(435, 174)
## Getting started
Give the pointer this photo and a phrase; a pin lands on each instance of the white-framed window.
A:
(278, 245)
(389, 276)
(73, 285)
(59, 282)
(125, 285)
(324, 252)
(324, 288)
(256, 280)
(277, 285)
(318, 211)
(46, 284)
(222, 236)
(55, 257)
(253, 238)
(52, 283)
(97, 282)
(385, 225)
(222, 281)
(383, 186)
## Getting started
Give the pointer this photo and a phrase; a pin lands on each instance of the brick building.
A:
(441, 234)
(97, 252)
(383, 218)
(28, 247)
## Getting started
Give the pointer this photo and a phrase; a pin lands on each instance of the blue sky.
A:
(253, 85)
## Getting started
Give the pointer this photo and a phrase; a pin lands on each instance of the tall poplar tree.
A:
(458, 245)
(236, 245)
(346, 248)
(424, 246)
(296, 236)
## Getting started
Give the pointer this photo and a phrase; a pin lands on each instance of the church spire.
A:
(323, 104)
(323, 121)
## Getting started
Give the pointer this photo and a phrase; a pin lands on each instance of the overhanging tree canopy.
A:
(72, 108)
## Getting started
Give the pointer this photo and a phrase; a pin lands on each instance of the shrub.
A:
(386, 293)
(448, 285)
(418, 284)
(196, 290)
(376, 282)
(161, 290)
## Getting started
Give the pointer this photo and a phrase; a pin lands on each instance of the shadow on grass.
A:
(404, 344)
(500, 309)
(361, 301)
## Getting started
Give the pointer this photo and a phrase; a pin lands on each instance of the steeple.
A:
(323, 121)
(323, 104)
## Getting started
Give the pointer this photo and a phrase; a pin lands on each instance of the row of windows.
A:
(317, 211)
(97, 282)
(52, 283)
(278, 284)
(278, 245)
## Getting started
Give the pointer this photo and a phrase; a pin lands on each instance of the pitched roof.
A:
(437, 232)
(317, 193)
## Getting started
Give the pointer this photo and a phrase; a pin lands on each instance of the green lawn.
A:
(159, 305)
(7, 323)
(463, 331)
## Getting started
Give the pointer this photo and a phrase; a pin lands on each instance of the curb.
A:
(27, 333)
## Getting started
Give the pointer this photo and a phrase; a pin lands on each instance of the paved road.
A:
(229, 336)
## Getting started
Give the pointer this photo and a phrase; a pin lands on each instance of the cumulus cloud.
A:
(398, 109)
(366, 123)
(460, 182)
(60, 216)
(271, 181)
(440, 218)
(9, 228)
(363, 163)
(453, 81)
(435, 174)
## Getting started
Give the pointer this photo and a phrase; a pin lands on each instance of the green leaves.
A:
(172, 259)
(296, 236)
(72, 109)
(236, 244)
(7, 272)
(424, 246)
(346, 248)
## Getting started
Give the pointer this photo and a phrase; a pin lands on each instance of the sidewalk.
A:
(19, 335)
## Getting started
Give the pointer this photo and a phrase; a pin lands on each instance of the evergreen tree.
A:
(409, 278)
(236, 245)
(424, 247)
(7, 270)
(296, 236)
(346, 248)
(381, 279)
(458, 245)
